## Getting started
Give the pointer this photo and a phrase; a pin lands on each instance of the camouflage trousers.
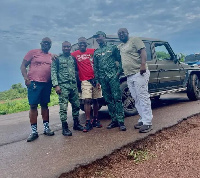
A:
(112, 95)
(68, 95)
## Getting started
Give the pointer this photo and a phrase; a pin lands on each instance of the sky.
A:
(24, 23)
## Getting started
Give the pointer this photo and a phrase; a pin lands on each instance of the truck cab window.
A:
(162, 52)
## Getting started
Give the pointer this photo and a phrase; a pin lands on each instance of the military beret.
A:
(99, 33)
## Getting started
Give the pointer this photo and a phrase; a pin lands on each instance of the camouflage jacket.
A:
(107, 62)
(63, 71)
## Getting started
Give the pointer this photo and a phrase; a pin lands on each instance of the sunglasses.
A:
(46, 43)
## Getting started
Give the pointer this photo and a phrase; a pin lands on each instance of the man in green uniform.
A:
(107, 68)
(64, 81)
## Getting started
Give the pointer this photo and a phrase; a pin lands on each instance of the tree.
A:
(162, 55)
(17, 86)
(181, 57)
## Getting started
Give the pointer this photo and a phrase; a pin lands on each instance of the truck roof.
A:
(142, 38)
(111, 38)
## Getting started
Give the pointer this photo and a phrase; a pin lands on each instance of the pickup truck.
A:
(167, 73)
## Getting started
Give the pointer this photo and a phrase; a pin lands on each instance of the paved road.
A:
(50, 156)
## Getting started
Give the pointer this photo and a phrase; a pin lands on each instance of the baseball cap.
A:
(46, 39)
(99, 33)
(82, 39)
(123, 30)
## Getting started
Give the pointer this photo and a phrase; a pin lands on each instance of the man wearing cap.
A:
(107, 67)
(64, 82)
(133, 55)
(38, 82)
(90, 90)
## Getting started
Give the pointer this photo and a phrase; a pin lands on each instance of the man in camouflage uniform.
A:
(107, 67)
(64, 81)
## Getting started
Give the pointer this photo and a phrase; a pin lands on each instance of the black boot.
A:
(96, 123)
(113, 124)
(122, 127)
(77, 125)
(65, 129)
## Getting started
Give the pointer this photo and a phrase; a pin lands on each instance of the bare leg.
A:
(33, 113)
(87, 108)
(95, 108)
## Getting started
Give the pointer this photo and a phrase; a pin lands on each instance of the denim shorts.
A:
(39, 92)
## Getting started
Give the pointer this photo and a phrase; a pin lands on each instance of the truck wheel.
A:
(128, 101)
(193, 87)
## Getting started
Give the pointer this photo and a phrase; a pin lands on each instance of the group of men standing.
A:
(99, 71)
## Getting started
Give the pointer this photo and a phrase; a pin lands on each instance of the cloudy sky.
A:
(24, 23)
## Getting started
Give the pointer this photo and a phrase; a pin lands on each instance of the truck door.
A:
(152, 66)
(169, 76)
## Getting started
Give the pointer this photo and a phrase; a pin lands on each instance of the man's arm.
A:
(76, 67)
(54, 76)
(140, 46)
(118, 61)
(54, 57)
(95, 66)
(77, 74)
(143, 56)
(23, 67)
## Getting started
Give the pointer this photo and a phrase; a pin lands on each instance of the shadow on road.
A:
(169, 100)
(165, 100)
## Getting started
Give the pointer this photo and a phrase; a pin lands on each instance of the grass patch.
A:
(14, 106)
(15, 100)
(140, 155)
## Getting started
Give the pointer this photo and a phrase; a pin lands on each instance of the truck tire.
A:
(128, 101)
(193, 87)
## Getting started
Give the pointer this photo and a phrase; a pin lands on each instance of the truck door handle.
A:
(161, 70)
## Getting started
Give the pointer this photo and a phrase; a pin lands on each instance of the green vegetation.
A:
(15, 100)
(140, 155)
(182, 57)
(162, 55)
(13, 106)
(16, 91)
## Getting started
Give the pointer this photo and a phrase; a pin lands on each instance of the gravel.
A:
(171, 153)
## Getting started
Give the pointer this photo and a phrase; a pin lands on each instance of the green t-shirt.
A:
(130, 56)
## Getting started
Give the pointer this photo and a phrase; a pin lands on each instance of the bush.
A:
(11, 105)
(14, 106)
(16, 91)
